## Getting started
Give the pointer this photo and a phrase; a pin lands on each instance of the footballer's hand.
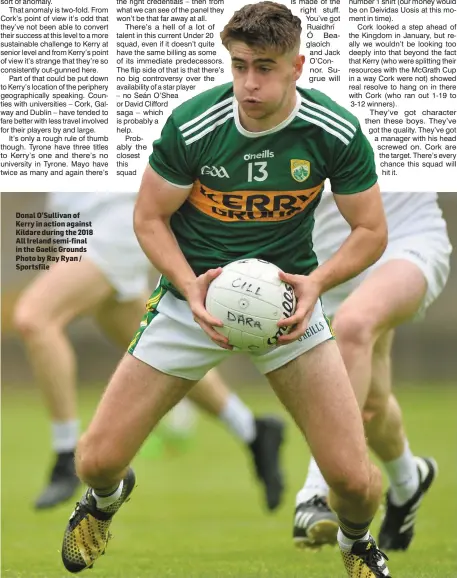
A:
(196, 296)
(307, 293)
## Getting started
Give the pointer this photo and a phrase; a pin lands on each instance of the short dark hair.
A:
(264, 25)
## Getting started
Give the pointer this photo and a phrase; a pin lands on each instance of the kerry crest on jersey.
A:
(300, 169)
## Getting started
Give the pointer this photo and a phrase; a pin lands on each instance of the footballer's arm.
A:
(157, 201)
(367, 241)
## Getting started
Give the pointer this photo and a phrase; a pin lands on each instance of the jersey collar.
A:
(280, 126)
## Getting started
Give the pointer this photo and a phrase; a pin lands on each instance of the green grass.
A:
(200, 514)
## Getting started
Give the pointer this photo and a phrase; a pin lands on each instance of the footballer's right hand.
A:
(196, 296)
(307, 293)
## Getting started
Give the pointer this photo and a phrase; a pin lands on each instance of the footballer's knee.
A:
(33, 320)
(351, 484)
(361, 486)
(27, 320)
(352, 328)
(96, 464)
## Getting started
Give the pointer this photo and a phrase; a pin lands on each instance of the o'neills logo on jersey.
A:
(267, 154)
(251, 205)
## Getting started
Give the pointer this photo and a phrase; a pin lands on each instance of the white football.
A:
(250, 298)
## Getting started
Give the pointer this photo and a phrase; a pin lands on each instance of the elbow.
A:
(146, 225)
(143, 225)
(138, 223)
(137, 217)
(382, 240)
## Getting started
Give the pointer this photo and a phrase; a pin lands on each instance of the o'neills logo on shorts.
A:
(312, 330)
(251, 205)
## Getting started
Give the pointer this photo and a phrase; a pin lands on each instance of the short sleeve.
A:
(168, 157)
(354, 168)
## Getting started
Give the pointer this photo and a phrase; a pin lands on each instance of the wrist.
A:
(185, 287)
(318, 281)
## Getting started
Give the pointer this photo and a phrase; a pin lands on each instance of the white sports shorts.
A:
(430, 252)
(114, 249)
(171, 341)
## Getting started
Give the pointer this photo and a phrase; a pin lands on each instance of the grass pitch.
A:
(199, 514)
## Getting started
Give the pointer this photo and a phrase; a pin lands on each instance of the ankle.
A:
(107, 496)
(346, 543)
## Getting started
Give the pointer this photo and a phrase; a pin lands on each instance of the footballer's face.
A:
(264, 84)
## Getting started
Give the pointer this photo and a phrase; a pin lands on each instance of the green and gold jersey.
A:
(254, 193)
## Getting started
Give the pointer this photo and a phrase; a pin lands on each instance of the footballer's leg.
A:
(383, 420)
(316, 391)
(363, 317)
(263, 435)
(167, 355)
(365, 347)
(119, 320)
(136, 398)
(41, 316)
(409, 477)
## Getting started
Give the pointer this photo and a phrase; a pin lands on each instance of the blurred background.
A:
(423, 351)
